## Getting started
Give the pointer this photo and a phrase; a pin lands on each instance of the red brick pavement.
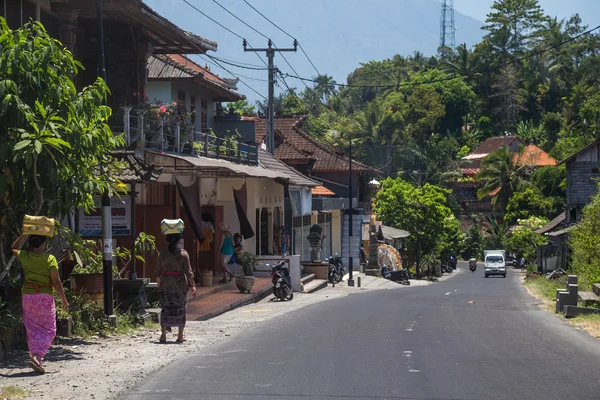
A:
(212, 301)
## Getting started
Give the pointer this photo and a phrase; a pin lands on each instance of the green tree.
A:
(325, 86)
(514, 25)
(242, 107)
(551, 181)
(528, 203)
(584, 240)
(421, 211)
(53, 139)
(501, 176)
(523, 239)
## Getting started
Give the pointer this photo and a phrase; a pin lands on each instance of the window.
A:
(204, 115)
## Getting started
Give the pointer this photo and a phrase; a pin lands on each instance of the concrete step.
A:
(307, 279)
(314, 285)
(596, 288)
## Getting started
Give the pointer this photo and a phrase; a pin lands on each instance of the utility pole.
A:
(270, 51)
(350, 216)
(106, 209)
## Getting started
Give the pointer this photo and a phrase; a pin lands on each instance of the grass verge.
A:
(545, 290)
(12, 392)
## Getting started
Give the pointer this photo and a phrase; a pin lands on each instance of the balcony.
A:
(152, 133)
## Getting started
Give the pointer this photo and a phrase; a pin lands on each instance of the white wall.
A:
(261, 193)
(159, 90)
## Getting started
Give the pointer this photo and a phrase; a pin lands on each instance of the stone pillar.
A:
(144, 51)
(127, 123)
(67, 28)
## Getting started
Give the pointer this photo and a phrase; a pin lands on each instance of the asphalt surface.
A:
(465, 338)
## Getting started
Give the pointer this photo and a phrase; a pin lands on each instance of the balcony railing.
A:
(156, 135)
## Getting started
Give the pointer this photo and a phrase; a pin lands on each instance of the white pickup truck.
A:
(495, 262)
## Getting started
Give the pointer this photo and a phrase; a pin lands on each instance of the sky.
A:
(337, 39)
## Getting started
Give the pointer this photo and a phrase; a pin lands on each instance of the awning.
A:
(208, 166)
(561, 232)
(393, 233)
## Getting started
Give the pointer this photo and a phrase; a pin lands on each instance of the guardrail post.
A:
(127, 123)
(205, 144)
(178, 137)
(140, 122)
(161, 134)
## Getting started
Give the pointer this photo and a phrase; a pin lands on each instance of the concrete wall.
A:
(159, 90)
(262, 193)
(581, 184)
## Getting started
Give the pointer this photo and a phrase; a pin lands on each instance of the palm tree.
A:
(326, 86)
(372, 127)
(464, 64)
(501, 176)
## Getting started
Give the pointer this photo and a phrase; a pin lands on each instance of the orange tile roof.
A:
(297, 145)
(322, 191)
(535, 157)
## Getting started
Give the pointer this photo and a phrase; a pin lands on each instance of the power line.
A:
(284, 31)
(490, 69)
(234, 64)
(221, 25)
(241, 20)
(212, 19)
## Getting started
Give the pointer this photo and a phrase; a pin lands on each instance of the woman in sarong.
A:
(174, 276)
(39, 311)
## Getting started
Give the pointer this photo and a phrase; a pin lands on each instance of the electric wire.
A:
(449, 78)
(284, 31)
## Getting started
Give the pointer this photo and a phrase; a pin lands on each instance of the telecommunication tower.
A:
(447, 27)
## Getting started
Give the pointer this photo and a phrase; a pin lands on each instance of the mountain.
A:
(338, 35)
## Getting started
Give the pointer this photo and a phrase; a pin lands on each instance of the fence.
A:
(157, 135)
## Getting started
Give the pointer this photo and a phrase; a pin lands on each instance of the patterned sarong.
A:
(39, 317)
(173, 308)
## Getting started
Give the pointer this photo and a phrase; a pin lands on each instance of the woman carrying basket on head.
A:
(39, 310)
(175, 277)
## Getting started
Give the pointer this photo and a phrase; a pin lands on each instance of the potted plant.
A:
(207, 277)
(245, 282)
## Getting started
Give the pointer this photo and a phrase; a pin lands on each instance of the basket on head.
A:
(38, 225)
(170, 226)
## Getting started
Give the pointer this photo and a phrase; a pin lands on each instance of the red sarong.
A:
(39, 317)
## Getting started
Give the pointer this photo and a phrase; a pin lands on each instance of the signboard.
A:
(90, 224)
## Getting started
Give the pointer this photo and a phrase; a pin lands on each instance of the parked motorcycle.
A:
(452, 261)
(400, 276)
(472, 265)
(336, 269)
(282, 283)
(447, 268)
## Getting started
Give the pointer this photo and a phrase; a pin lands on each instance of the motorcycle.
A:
(452, 261)
(335, 272)
(447, 268)
(472, 265)
(282, 284)
(400, 276)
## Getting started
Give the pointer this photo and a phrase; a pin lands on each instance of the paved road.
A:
(466, 338)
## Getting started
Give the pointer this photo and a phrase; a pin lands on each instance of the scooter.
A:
(400, 276)
(282, 284)
(335, 272)
(472, 265)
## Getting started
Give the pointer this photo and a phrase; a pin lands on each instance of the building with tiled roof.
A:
(294, 146)
(177, 78)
